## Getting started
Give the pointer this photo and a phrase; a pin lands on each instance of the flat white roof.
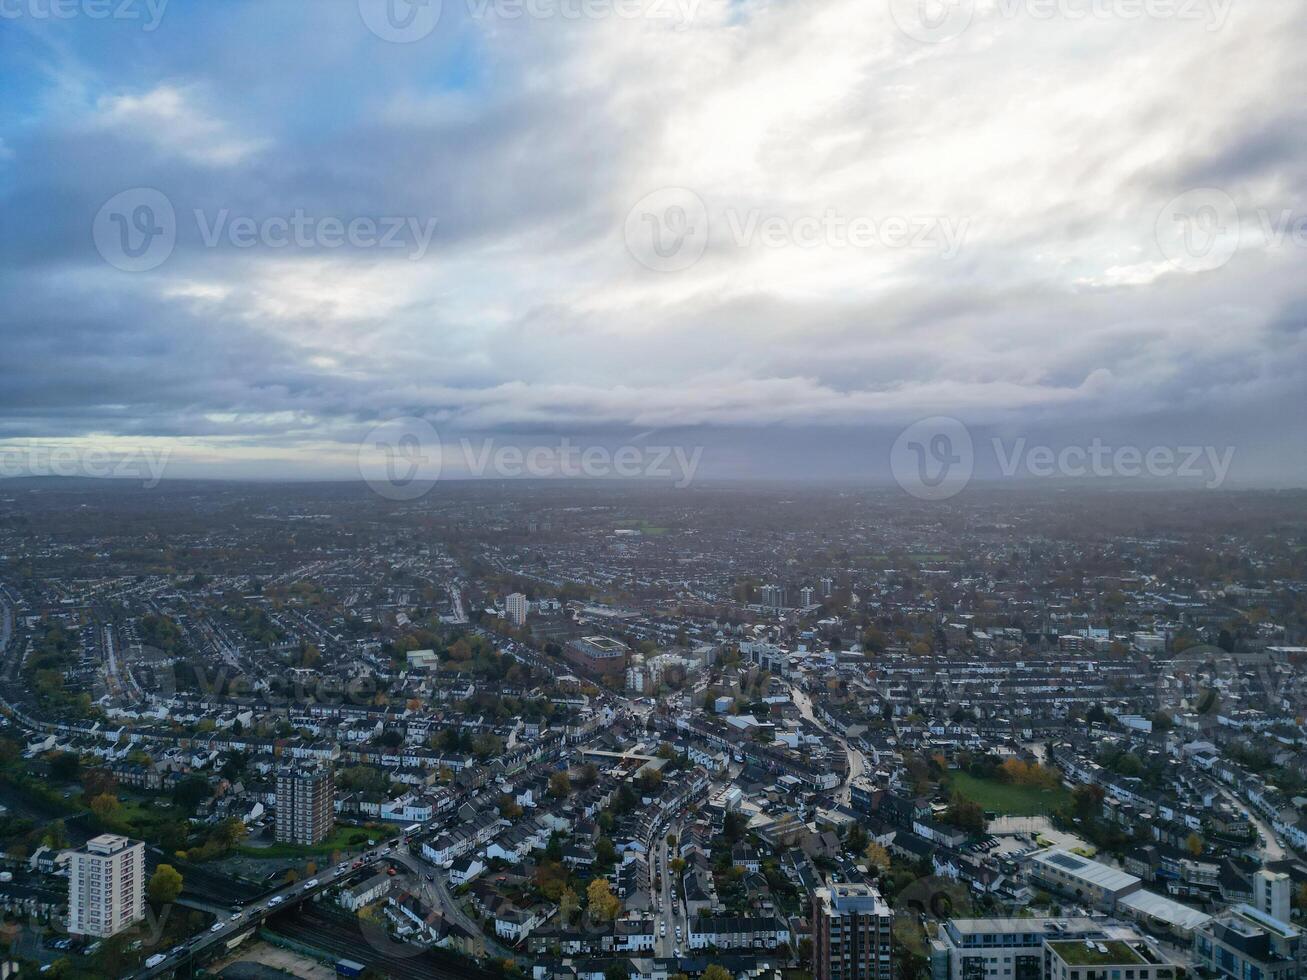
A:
(1163, 909)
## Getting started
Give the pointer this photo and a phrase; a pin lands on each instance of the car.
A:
(234, 916)
(311, 884)
(662, 931)
(179, 948)
(276, 900)
(218, 927)
(155, 960)
(676, 953)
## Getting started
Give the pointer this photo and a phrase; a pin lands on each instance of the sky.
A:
(799, 239)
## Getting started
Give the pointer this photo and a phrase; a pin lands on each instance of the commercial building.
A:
(1073, 959)
(1271, 894)
(1010, 948)
(306, 800)
(1035, 949)
(1088, 882)
(106, 886)
(851, 933)
(516, 607)
(1246, 942)
(597, 655)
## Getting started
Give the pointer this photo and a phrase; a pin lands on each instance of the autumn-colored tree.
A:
(604, 905)
(105, 805)
(877, 856)
(1194, 845)
(717, 972)
(568, 903)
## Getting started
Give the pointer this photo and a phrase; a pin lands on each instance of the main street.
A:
(671, 908)
(857, 762)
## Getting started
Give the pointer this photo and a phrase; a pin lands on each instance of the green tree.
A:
(165, 885)
(560, 785)
(56, 835)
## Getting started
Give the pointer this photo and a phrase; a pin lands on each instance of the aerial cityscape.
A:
(569, 729)
(653, 489)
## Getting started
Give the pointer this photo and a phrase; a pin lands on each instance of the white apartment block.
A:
(516, 607)
(106, 886)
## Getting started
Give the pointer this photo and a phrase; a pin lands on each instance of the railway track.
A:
(342, 938)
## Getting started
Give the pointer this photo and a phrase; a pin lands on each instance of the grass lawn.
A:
(1007, 800)
(341, 841)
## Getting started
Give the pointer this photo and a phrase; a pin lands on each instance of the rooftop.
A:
(1112, 952)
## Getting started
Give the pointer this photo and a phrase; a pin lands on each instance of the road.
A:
(857, 762)
(1271, 849)
(435, 893)
(671, 909)
(233, 924)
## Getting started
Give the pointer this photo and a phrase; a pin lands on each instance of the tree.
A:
(856, 839)
(165, 885)
(965, 814)
(716, 972)
(105, 805)
(604, 905)
(877, 856)
(568, 903)
(191, 792)
(1194, 845)
(230, 832)
(560, 785)
(64, 767)
(616, 971)
(56, 835)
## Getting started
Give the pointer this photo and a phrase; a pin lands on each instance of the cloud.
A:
(170, 118)
(1048, 146)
